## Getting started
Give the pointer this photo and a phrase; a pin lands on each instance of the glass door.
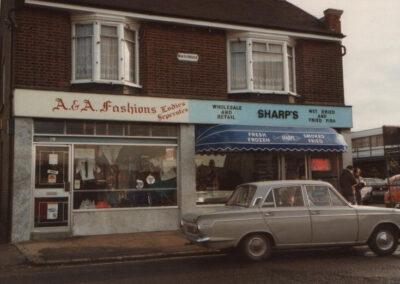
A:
(294, 166)
(52, 187)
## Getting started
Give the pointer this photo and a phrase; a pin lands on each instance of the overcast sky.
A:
(372, 62)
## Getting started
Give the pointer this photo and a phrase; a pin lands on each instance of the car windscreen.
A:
(242, 196)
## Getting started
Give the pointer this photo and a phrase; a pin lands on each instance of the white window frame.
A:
(97, 20)
(249, 38)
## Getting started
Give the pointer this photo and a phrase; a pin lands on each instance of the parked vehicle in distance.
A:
(392, 196)
(262, 216)
(374, 190)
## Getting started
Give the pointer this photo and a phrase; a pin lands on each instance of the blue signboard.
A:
(220, 112)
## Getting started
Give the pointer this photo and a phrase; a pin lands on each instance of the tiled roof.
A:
(270, 14)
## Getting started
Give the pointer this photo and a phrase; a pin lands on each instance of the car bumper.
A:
(195, 239)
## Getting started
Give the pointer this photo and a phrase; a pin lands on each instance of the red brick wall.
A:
(319, 72)
(162, 73)
(43, 60)
(43, 49)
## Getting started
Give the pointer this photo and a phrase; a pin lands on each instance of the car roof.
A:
(288, 182)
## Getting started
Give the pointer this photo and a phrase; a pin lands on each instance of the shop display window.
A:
(324, 166)
(122, 176)
(217, 175)
(49, 126)
(103, 128)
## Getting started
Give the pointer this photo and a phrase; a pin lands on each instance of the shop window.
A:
(115, 129)
(49, 127)
(101, 128)
(115, 176)
(104, 50)
(260, 65)
(324, 166)
(80, 128)
(137, 130)
(217, 175)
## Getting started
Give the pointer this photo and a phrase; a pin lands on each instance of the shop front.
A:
(88, 164)
(228, 155)
(83, 169)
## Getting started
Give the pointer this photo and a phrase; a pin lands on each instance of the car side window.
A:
(336, 201)
(288, 196)
(318, 195)
(269, 201)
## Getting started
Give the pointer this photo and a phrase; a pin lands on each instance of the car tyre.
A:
(384, 241)
(256, 247)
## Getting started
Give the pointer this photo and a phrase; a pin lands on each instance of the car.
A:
(262, 216)
(392, 196)
(374, 190)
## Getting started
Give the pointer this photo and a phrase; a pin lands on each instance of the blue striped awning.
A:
(227, 138)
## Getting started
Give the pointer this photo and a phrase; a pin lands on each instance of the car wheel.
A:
(384, 241)
(256, 247)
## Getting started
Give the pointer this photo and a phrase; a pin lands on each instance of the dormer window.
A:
(260, 65)
(104, 50)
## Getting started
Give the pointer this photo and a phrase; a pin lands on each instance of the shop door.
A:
(294, 166)
(52, 187)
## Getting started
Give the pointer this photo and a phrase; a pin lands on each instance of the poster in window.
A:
(52, 211)
(320, 165)
(52, 179)
(53, 159)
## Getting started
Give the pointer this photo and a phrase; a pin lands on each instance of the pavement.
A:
(105, 248)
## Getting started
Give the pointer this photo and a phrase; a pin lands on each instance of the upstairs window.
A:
(260, 66)
(104, 50)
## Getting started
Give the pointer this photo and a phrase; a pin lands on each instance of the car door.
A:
(286, 216)
(333, 220)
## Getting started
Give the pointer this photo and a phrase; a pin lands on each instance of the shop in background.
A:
(217, 175)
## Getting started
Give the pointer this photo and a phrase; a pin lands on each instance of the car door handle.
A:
(315, 212)
(268, 214)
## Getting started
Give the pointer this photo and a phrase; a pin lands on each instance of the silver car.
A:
(262, 216)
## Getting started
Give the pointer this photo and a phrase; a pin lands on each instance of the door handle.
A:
(268, 214)
(315, 212)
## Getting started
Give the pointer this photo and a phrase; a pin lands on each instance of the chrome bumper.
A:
(194, 238)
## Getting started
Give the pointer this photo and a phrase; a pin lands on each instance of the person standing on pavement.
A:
(360, 184)
(347, 184)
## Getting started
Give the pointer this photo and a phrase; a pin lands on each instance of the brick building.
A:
(118, 116)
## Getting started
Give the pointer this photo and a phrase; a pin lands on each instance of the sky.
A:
(372, 63)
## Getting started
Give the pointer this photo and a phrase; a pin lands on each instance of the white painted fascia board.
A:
(367, 133)
(180, 20)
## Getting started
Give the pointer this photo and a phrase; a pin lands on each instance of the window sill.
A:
(125, 209)
(108, 82)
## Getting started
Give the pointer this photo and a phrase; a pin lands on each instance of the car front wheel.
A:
(384, 241)
(256, 247)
